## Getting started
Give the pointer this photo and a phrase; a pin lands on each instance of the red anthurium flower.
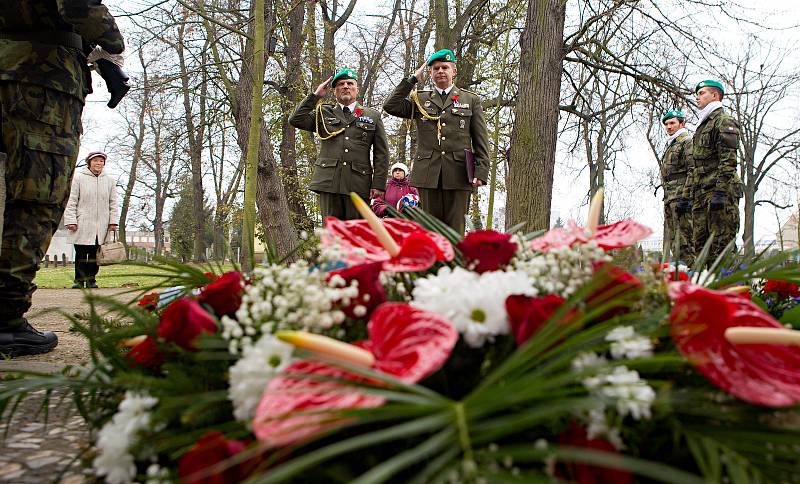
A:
(212, 449)
(621, 283)
(487, 250)
(527, 314)
(782, 288)
(419, 248)
(608, 237)
(358, 111)
(371, 292)
(183, 321)
(586, 473)
(408, 343)
(149, 302)
(763, 374)
(145, 354)
(224, 295)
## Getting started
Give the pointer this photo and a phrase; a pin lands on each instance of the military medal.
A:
(428, 103)
(461, 124)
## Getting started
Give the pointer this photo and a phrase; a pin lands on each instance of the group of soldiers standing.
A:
(451, 139)
(698, 173)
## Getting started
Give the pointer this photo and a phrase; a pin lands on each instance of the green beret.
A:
(443, 55)
(709, 83)
(672, 114)
(343, 74)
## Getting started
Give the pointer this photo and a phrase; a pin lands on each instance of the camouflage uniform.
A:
(44, 80)
(677, 227)
(713, 177)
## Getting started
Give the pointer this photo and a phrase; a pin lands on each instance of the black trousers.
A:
(86, 263)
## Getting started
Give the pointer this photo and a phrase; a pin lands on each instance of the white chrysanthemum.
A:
(474, 303)
(626, 343)
(250, 375)
(114, 461)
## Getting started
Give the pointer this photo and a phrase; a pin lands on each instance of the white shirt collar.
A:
(710, 108)
(446, 91)
(352, 107)
(675, 135)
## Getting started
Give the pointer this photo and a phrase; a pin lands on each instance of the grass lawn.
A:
(118, 275)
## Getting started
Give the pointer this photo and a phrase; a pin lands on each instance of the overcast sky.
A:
(626, 191)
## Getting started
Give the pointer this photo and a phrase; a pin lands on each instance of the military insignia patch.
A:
(462, 123)
(428, 103)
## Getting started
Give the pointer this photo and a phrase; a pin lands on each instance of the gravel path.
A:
(35, 451)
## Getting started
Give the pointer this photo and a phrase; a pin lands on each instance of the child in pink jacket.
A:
(396, 188)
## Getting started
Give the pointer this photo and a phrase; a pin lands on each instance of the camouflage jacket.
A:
(714, 155)
(675, 165)
(344, 165)
(54, 66)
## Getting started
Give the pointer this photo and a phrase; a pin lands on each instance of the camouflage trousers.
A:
(39, 131)
(724, 224)
(677, 234)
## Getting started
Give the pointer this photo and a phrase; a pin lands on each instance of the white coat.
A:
(92, 206)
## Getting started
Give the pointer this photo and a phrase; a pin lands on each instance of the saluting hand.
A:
(322, 89)
(420, 72)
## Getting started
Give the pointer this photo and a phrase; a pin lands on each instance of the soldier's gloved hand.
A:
(116, 80)
(683, 206)
(717, 201)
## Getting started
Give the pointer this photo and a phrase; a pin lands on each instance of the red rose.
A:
(782, 288)
(371, 292)
(146, 354)
(528, 314)
(224, 295)
(183, 321)
(622, 287)
(359, 111)
(149, 302)
(489, 250)
(586, 473)
(212, 449)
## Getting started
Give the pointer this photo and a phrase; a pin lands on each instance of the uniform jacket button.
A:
(346, 137)
(344, 163)
(442, 152)
(346, 150)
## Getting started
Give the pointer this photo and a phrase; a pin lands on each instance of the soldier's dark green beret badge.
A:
(709, 83)
(342, 75)
(443, 55)
(672, 114)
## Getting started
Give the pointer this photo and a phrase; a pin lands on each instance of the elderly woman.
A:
(91, 213)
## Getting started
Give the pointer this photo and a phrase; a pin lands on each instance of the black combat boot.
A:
(91, 285)
(26, 340)
(78, 285)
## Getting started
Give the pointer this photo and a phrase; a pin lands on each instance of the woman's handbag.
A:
(111, 252)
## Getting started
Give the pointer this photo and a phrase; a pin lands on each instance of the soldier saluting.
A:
(450, 127)
(712, 177)
(677, 204)
(44, 79)
(348, 133)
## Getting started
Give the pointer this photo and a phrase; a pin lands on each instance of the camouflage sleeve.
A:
(727, 144)
(92, 20)
(688, 187)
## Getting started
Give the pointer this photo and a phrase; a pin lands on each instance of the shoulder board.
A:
(424, 90)
(467, 90)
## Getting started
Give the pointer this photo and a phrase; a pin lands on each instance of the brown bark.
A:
(533, 139)
(273, 208)
(291, 91)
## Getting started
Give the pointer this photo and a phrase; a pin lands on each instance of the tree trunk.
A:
(273, 209)
(533, 139)
(291, 97)
(137, 155)
(194, 136)
(750, 220)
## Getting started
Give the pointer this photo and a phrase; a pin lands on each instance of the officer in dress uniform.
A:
(348, 133)
(713, 179)
(674, 168)
(450, 127)
(44, 79)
